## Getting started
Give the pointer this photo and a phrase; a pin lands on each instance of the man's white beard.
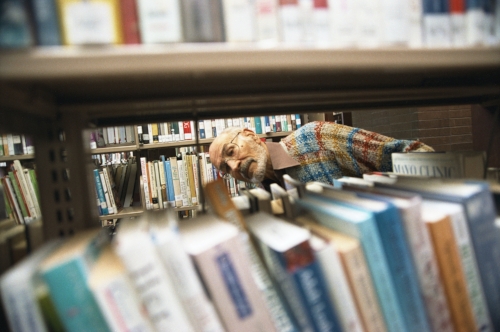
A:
(260, 170)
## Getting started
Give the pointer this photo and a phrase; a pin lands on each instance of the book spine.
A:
(159, 22)
(163, 182)
(448, 257)
(402, 270)
(157, 179)
(100, 193)
(181, 131)
(152, 185)
(471, 273)
(187, 130)
(106, 193)
(266, 21)
(154, 287)
(17, 199)
(427, 269)
(109, 189)
(145, 186)
(176, 180)
(23, 187)
(130, 22)
(170, 182)
(201, 129)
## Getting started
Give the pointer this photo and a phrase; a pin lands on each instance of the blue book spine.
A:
(298, 121)
(258, 125)
(267, 124)
(170, 181)
(313, 292)
(402, 269)
(435, 6)
(332, 214)
(47, 22)
(73, 300)
(201, 129)
(100, 193)
(14, 25)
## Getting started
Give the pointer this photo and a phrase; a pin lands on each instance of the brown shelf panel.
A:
(17, 157)
(200, 80)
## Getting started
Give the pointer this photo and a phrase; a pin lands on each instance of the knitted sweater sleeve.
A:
(344, 150)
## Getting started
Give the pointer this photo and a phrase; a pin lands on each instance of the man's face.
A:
(240, 154)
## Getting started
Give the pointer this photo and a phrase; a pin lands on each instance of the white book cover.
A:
(467, 257)
(239, 20)
(342, 23)
(160, 21)
(369, 23)
(138, 253)
(266, 22)
(290, 22)
(198, 306)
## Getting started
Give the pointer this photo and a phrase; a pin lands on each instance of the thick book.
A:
(18, 289)
(288, 255)
(431, 286)
(188, 286)
(135, 247)
(391, 231)
(225, 267)
(66, 273)
(116, 294)
(361, 225)
(477, 200)
(323, 242)
(448, 256)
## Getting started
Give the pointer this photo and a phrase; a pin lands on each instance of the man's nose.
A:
(233, 164)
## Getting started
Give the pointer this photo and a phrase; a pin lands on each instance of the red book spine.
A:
(188, 134)
(130, 23)
(457, 6)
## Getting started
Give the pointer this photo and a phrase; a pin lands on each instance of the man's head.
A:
(240, 153)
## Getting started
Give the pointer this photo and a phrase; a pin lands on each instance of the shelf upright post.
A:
(64, 166)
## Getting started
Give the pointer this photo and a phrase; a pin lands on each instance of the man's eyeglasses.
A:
(230, 151)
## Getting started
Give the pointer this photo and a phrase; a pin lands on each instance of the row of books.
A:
(115, 185)
(411, 256)
(21, 194)
(177, 131)
(14, 145)
(358, 23)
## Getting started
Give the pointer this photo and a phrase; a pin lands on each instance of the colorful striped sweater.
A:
(328, 151)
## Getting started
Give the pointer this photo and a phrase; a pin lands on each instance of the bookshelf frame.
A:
(49, 91)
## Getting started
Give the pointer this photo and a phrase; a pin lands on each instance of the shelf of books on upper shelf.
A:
(16, 146)
(361, 24)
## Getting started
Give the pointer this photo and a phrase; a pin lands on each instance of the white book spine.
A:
(338, 285)
(344, 32)
(145, 186)
(290, 23)
(110, 190)
(474, 22)
(151, 280)
(182, 137)
(32, 192)
(266, 22)
(152, 185)
(458, 30)
(437, 30)
(369, 23)
(23, 187)
(239, 20)
(121, 309)
(415, 37)
(160, 21)
(111, 210)
(395, 17)
(183, 183)
(188, 286)
(321, 22)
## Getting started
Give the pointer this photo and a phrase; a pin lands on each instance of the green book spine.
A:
(18, 195)
(34, 181)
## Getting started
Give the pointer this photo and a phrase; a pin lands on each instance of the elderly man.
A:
(318, 151)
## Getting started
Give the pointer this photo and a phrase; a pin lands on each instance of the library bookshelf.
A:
(57, 93)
